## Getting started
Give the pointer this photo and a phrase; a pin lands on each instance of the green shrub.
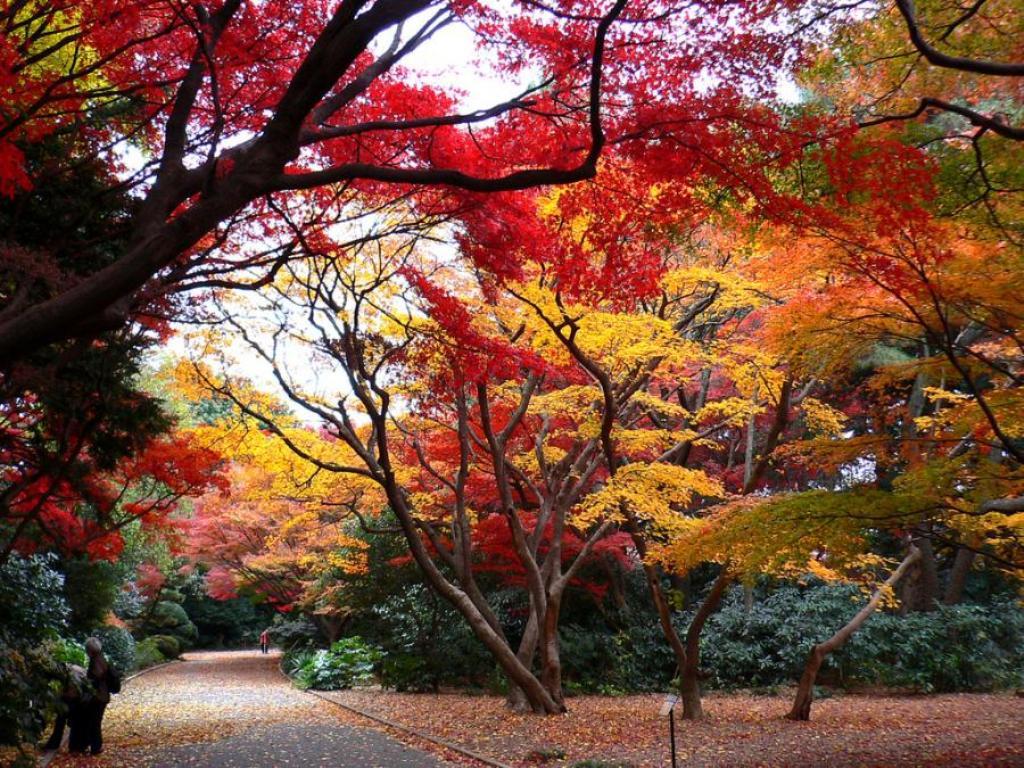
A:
(29, 691)
(408, 672)
(32, 597)
(147, 654)
(118, 647)
(952, 648)
(347, 662)
(169, 618)
(34, 612)
(409, 625)
(294, 633)
(635, 658)
(292, 661)
(67, 651)
(168, 645)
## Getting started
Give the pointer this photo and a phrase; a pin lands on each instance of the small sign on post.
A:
(669, 705)
(668, 708)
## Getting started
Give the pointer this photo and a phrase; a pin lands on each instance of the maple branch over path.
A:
(185, 204)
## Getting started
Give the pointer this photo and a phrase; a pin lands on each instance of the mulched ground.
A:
(952, 731)
(234, 709)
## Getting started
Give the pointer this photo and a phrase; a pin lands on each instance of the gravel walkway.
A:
(339, 746)
(233, 709)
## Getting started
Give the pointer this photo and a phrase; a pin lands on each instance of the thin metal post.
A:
(672, 733)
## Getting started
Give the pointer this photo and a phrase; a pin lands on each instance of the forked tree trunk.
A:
(518, 674)
(805, 691)
(663, 610)
(688, 663)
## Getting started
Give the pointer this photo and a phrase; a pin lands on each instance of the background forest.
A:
(658, 375)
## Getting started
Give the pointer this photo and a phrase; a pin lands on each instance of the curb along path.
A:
(326, 696)
(412, 731)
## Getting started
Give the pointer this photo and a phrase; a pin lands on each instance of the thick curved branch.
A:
(975, 118)
(939, 59)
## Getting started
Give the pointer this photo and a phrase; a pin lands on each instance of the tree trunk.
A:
(539, 700)
(551, 659)
(664, 614)
(958, 576)
(518, 674)
(615, 586)
(805, 690)
(689, 673)
(516, 698)
(330, 626)
(928, 584)
(919, 591)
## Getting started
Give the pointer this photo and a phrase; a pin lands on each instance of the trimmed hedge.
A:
(147, 654)
(168, 646)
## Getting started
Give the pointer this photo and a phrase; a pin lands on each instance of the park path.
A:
(233, 709)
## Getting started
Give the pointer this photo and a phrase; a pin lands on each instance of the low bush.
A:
(294, 633)
(633, 659)
(292, 661)
(35, 613)
(32, 600)
(952, 648)
(169, 618)
(169, 646)
(67, 651)
(409, 625)
(347, 662)
(147, 654)
(408, 672)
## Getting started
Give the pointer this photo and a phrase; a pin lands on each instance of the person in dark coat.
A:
(70, 700)
(86, 718)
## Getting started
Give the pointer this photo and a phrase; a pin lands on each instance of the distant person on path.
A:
(265, 641)
(87, 722)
